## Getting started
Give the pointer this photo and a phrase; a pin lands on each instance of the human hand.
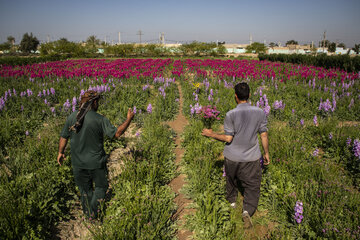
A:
(266, 159)
(207, 132)
(130, 114)
(60, 158)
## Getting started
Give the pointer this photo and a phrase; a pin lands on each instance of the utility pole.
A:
(105, 39)
(250, 39)
(324, 41)
(140, 33)
(119, 38)
(162, 38)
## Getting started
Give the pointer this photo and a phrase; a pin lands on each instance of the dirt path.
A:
(177, 183)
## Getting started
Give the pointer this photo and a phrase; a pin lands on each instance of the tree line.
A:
(93, 47)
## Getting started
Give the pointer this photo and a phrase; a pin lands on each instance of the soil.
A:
(177, 183)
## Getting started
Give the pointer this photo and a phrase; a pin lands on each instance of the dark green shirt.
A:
(87, 146)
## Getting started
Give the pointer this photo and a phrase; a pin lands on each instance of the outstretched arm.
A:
(220, 137)
(122, 128)
(61, 154)
(265, 144)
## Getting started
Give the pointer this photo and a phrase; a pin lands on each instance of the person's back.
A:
(244, 123)
(87, 151)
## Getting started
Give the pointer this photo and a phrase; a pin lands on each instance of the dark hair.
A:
(242, 91)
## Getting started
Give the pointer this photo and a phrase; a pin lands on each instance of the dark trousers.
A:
(85, 179)
(247, 176)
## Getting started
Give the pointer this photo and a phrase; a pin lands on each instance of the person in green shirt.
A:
(86, 129)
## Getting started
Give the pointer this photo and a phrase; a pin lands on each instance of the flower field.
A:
(310, 189)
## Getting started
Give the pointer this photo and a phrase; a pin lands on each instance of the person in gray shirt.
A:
(242, 152)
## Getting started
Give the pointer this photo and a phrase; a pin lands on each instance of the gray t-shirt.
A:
(244, 123)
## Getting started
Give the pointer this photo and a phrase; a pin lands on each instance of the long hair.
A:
(86, 103)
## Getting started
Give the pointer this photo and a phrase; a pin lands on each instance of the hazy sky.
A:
(183, 20)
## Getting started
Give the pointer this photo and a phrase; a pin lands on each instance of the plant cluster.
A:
(344, 62)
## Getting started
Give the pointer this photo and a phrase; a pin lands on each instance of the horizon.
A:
(202, 21)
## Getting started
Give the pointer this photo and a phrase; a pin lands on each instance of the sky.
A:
(183, 21)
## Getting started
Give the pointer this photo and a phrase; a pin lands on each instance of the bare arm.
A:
(62, 145)
(122, 128)
(220, 137)
(265, 144)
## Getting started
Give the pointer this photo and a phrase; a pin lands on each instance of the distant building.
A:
(235, 48)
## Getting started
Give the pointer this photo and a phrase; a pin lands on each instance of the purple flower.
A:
(134, 109)
(356, 148)
(351, 103)
(192, 110)
(315, 121)
(298, 212)
(278, 105)
(327, 106)
(330, 136)
(66, 105)
(149, 108)
(27, 133)
(137, 134)
(52, 109)
(302, 122)
(316, 152)
(224, 173)
(348, 141)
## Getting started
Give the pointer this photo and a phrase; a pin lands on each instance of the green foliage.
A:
(256, 47)
(291, 42)
(15, 61)
(344, 62)
(5, 46)
(62, 47)
(356, 48)
(29, 43)
(332, 47)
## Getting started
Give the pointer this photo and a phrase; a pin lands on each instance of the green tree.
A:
(221, 50)
(47, 48)
(5, 46)
(29, 43)
(332, 47)
(342, 45)
(291, 42)
(272, 45)
(256, 47)
(356, 48)
(92, 43)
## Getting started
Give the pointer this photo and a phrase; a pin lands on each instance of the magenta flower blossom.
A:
(208, 115)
